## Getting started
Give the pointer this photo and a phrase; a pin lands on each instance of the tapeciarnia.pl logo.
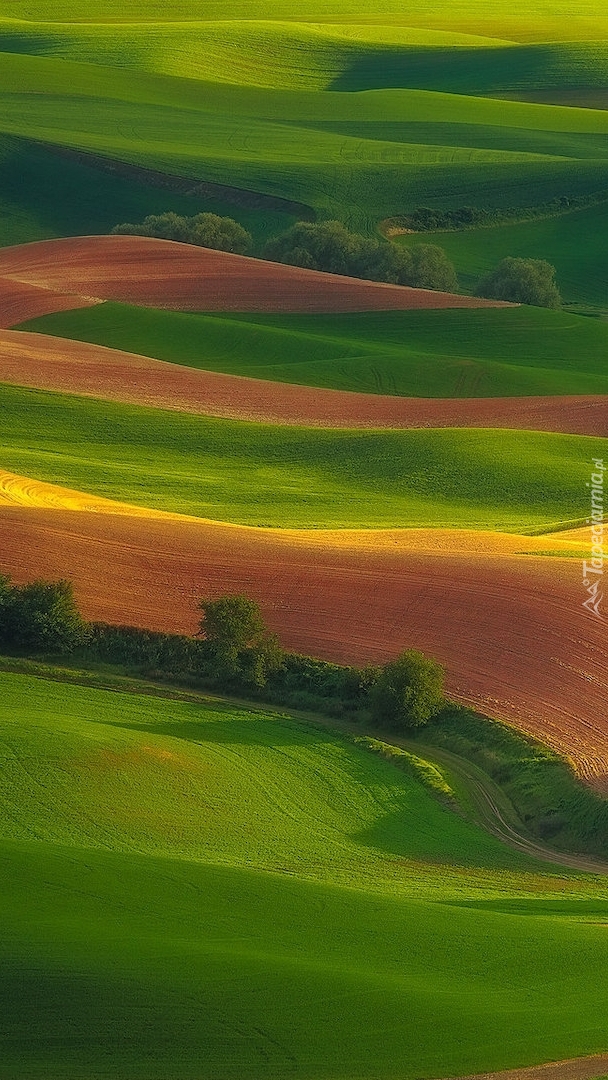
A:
(593, 570)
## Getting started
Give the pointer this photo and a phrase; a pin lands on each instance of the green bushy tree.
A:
(40, 617)
(239, 639)
(522, 281)
(408, 692)
(331, 247)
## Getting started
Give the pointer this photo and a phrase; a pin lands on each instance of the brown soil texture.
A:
(585, 1068)
(160, 273)
(509, 628)
(20, 301)
(74, 367)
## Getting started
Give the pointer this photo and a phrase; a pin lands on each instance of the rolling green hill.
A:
(192, 890)
(95, 198)
(451, 353)
(345, 56)
(258, 474)
(320, 149)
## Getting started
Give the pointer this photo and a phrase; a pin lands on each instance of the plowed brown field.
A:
(20, 301)
(160, 273)
(75, 367)
(585, 1068)
(509, 627)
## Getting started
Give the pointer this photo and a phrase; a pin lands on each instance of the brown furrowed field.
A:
(161, 273)
(48, 363)
(506, 621)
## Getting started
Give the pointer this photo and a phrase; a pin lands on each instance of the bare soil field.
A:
(20, 301)
(164, 274)
(509, 627)
(75, 367)
(585, 1068)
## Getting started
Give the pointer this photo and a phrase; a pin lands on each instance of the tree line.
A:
(330, 247)
(233, 653)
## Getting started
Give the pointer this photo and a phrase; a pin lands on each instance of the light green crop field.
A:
(209, 892)
(345, 56)
(451, 353)
(259, 474)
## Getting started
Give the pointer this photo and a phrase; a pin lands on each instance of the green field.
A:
(324, 149)
(360, 118)
(259, 474)
(452, 353)
(322, 55)
(195, 889)
(94, 199)
(192, 890)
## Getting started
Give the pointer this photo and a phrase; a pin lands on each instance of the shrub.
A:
(203, 230)
(522, 281)
(331, 247)
(243, 648)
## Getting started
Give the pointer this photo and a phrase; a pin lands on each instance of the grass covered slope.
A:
(259, 474)
(319, 55)
(322, 149)
(199, 965)
(218, 784)
(44, 195)
(451, 353)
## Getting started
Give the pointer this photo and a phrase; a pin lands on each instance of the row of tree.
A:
(233, 652)
(331, 247)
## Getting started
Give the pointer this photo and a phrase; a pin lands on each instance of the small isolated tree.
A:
(522, 281)
(408, 692)
(41, 617)
(242, 645)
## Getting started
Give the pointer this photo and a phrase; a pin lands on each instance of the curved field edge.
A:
(450, 353)
(59, 364)
(514, 787)
(274, 141)
(47, 192)
(164, 273)
(526, 653)
(260, 474)
(256, 938)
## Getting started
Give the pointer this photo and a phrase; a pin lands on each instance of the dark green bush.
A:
(331, 247)
(203, 230)
(408, 692)
(40, 617)
(522, 281)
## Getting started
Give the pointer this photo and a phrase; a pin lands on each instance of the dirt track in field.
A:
(160, 273)
(509, 627)
(20, 301)
(75, 367)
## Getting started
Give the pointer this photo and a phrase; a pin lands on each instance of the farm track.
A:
(509, 627)
(164, 274)
(486, 799)
(58, 364)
